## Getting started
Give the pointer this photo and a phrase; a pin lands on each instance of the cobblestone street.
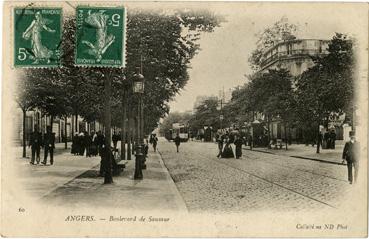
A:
(257, 181)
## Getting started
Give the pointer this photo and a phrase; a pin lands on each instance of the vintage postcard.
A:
(184, 119)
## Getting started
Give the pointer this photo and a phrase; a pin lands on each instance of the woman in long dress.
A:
(227, 150)
(33, 32)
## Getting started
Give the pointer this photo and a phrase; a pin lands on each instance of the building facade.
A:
(62, 127)
(296, 56)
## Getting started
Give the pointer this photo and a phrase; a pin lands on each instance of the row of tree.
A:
(163, 44)
(304, 102)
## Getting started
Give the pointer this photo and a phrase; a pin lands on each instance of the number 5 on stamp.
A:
(100, 36)
(37, 37)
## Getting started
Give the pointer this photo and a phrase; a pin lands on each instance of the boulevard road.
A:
(257, 181)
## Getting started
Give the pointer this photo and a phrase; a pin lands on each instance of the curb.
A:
(181, 203)
(299, 157)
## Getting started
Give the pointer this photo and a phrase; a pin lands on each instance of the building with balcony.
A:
(294, 55)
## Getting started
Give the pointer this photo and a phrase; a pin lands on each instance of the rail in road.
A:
(224, 162)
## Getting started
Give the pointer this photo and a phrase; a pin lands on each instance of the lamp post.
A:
(138, 89)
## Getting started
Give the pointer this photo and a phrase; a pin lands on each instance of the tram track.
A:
(270, 181)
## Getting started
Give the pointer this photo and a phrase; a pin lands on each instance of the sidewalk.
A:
(39, 180)
(333, 156)
(156, 191)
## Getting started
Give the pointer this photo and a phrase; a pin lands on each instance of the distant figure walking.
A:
(49, 145)
(177, 141)
(74, 149)
(154, 141)
(220, 145)
(350, 154)
(238, 143)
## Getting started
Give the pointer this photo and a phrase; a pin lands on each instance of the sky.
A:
(223, 59)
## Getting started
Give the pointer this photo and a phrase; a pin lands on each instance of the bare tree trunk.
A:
(51, 122)
(123, 131)
(65, 133)
(318, 140)
(129, 125)
(108, 178)
(24, 133)
(76, 122)
(268, 121)
(286, 134)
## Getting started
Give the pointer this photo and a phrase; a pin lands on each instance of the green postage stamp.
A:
(100, 36)
(37, 37)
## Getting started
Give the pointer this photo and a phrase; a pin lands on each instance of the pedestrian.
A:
(333, 139)
(154, 141)
(177, 141)
(227, 151)
(35, 143)
(100, 141)
(49, 145)
(94, 144)
(350, 155)
(238, 144)
(250, 141)
(326, 140)
(75, 142)
(87, 143)
(81, 143)
(115, 139)
(220, 139)
(102, 153)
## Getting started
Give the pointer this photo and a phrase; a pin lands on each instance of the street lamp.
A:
(138, 89)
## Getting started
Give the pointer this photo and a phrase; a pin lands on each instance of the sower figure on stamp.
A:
(350, 154)
(49, 145)
(35, 144)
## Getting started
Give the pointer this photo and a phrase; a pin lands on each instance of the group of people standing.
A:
(329, 140)
(225, 142)
(89, 143)
(47, 142)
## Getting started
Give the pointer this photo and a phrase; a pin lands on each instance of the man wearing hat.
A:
(350, 154)
(35, 143)
(49, 145)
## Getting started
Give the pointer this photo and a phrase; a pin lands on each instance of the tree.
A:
(163, 44)
(273, 96)
(26, 101)
(327, 86)
(206, 114)
(175, 117)
(270, 36)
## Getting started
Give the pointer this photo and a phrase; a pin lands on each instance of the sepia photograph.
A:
(184, 119)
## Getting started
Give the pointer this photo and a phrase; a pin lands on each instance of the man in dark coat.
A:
(220, 145)
(88, 142)
(238, 143)
(115, 139)
(177, 141)
(100, 139)
(35, 143)
(333, 139)
(49, 145)
(350, 154)
(154, 141)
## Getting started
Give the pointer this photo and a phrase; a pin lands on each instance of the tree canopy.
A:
(161, 44)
